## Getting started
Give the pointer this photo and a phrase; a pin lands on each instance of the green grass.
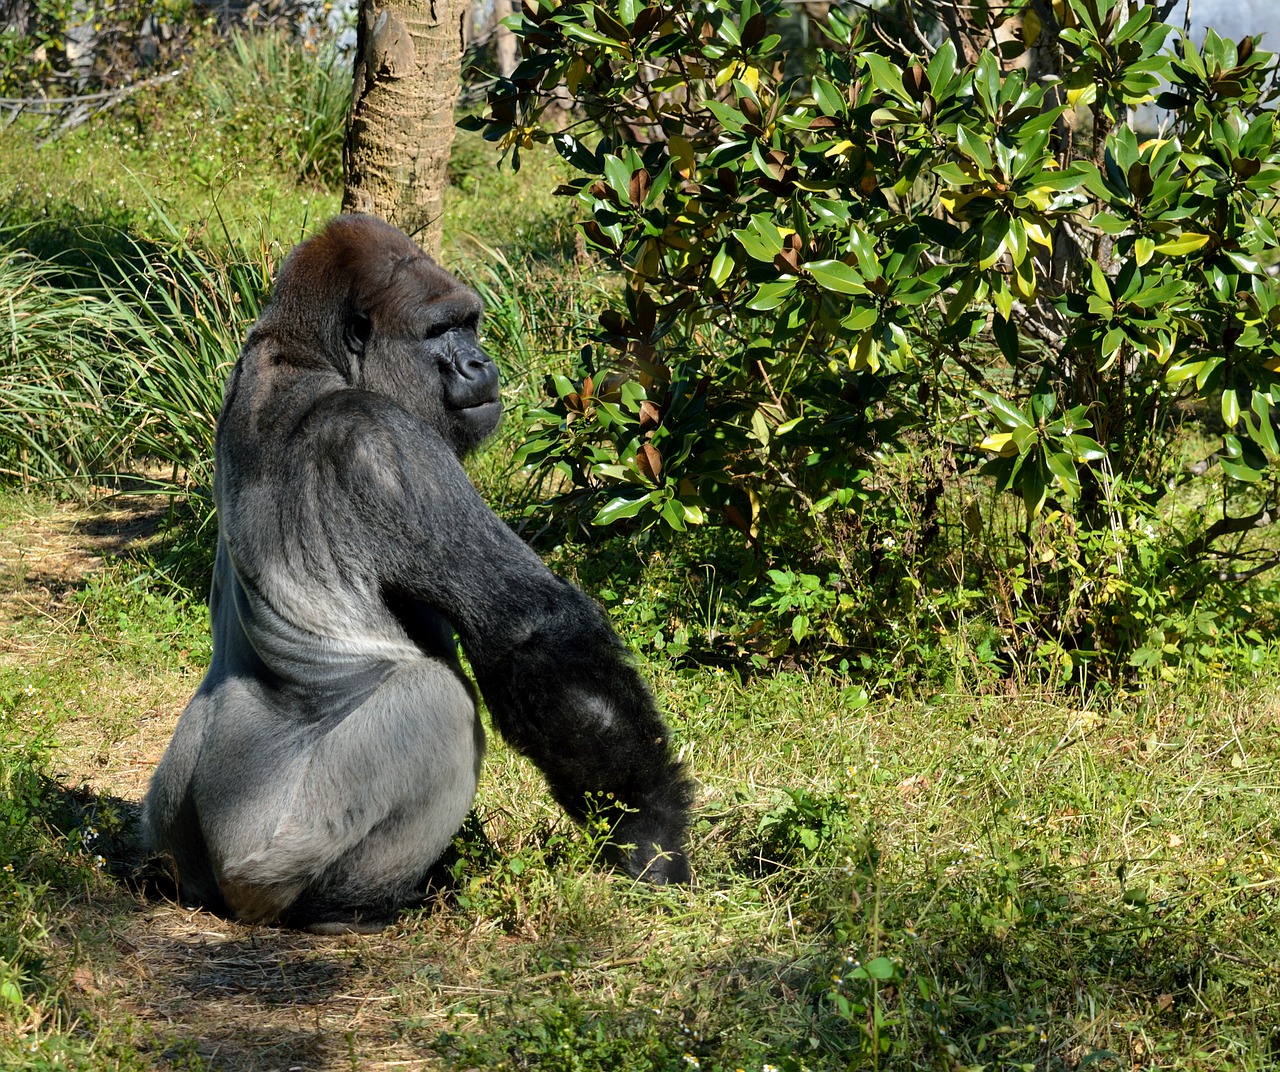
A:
(959, 882)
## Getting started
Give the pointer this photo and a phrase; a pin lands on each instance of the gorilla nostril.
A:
(476, 366)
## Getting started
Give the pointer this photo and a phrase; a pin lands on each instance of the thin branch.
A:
(82, 107)
(1224, 577)
(1228, 526)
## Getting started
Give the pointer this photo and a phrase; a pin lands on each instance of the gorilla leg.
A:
(286, 834)
(170, 821)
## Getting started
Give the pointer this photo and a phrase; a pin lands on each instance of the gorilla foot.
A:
(319, 917)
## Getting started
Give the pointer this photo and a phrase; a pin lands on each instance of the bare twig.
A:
(1243, 575)
(82, 107)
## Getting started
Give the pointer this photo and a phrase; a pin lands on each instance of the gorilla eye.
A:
(359, 330)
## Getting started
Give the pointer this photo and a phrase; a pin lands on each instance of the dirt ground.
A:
(181, 986)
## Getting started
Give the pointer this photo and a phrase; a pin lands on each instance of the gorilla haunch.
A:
(333, 749)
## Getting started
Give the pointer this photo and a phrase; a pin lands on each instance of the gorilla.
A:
(333, 749)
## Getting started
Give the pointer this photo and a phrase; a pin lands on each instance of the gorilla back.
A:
(334, 747)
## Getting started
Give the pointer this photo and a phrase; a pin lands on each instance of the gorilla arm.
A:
(559, 683)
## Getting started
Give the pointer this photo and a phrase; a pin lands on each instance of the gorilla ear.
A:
(357, 332)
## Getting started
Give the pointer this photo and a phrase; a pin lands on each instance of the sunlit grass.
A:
(980, 878)
(964, 881)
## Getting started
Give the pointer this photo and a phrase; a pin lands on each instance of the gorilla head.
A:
(364, 299)
(334, 747)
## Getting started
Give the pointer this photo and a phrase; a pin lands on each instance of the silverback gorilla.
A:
(333, 749)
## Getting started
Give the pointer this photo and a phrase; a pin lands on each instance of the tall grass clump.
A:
(175, 328)
(294, 96)
(50, 405)
(123, 376)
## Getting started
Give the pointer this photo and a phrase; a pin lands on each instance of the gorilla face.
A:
(417, 339)
(430, 362)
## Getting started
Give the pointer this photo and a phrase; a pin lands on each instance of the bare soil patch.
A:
(46, 556)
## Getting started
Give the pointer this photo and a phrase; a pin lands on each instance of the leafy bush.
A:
(917, 299)
(59, 44)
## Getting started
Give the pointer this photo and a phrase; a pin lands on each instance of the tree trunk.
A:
(505, 48)
(407, 73)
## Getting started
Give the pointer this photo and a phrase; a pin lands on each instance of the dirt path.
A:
(181, 987)
(48, 554)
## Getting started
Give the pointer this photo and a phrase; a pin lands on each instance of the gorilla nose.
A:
(475, 366)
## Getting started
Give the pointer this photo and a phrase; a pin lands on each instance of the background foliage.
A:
(931, 367)
(943, 339)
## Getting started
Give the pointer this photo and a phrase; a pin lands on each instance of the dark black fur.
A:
(332, 751)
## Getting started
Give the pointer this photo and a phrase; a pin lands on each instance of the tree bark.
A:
(15, 15)
(401, 127)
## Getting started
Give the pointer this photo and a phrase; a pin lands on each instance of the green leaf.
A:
(1187, 242)
(621, 507)
(1110, 224)
(618, 175)
(860, 319)
(986, 80)
(942, 68)
(1230, 408)
(881, 968)
(885, 76)
(722, 266)
(995, 229)
(1101, 284)
(771, 295)
(1262, 434)
(1034, 489)
(830, 100)
(974, 147)
(584, 33)
(1002, 299)
(1006, 336)
(836, 276)
(1240, 471)
(1184, 371)
(1084, 449)
(1062, 467)
(1008, 414)
(760, 238)
(732, 119)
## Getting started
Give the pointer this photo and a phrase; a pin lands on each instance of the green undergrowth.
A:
(1034, 880)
